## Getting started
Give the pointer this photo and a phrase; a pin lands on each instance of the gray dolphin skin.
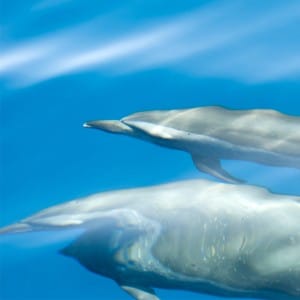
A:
(197, 235)
(211, 134)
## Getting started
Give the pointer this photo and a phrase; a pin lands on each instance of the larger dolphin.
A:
(213, 133)
(243, 242)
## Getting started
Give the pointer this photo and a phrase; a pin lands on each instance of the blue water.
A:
(64, 62)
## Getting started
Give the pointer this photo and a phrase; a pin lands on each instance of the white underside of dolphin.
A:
(221, 239)
(211, 134)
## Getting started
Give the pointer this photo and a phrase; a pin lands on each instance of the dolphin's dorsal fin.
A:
(140, 293)
(212, 166)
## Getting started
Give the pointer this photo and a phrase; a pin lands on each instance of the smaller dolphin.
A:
(211, 134)
(243, 242)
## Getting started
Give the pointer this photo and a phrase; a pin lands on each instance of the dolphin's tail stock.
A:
(16, 228)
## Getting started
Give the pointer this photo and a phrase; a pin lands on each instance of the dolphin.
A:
(243, 242)
(211, 134)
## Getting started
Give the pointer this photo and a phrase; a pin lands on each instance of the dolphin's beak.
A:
(113, 126)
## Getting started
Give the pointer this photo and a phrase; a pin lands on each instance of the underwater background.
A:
(64, 62)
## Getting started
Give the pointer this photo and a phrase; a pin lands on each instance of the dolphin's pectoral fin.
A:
(140, 293)
(212, 166)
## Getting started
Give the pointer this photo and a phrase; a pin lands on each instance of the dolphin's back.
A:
(245, 240)
(268, 130)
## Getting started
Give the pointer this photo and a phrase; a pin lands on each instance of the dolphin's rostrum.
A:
(243, 242)
(211, 134)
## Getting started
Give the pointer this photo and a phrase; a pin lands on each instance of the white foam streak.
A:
(170, 43)
(102, 54)
(21, 56)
